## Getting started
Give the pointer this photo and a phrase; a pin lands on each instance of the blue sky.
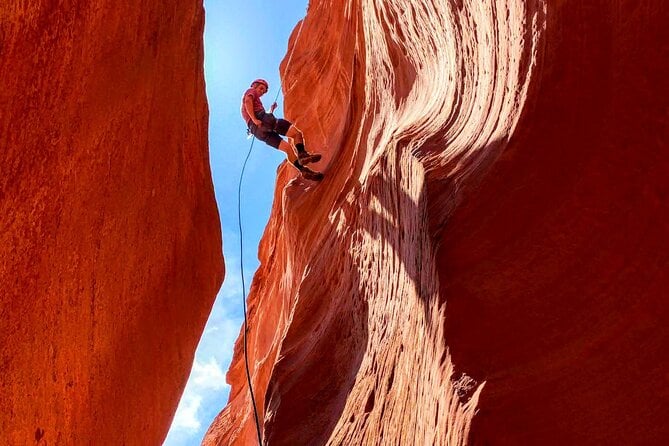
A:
(244, 40)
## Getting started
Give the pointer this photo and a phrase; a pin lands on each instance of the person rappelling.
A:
(267, 128)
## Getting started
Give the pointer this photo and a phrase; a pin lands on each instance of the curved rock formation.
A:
(491, 234)
(110, 253)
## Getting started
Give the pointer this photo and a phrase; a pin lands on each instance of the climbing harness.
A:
(241, 253)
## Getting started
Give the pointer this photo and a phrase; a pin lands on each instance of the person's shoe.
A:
(310, 174)
(306, 158)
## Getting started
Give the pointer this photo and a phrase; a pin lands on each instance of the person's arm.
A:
(248, 106)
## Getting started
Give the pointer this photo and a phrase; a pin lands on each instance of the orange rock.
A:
(490, 236)
(110, 253)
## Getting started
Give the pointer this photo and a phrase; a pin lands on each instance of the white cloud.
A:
(207, 390)
(208, 376)
(186, 415)
(205, 377)
(232, 286)
(217, 343)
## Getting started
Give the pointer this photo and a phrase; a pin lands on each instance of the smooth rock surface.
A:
(110, 244)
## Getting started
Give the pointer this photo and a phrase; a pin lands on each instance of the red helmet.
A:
(260, 81)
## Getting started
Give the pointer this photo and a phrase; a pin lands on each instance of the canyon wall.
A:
(110, 244)
(485, 261)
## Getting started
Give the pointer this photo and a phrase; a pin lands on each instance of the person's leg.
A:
(297, 155)
(273, 139)
(296, 135)
(287, 128)
(309, 174)
(288, 148)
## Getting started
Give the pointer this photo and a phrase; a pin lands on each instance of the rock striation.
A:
(110, 245)
(485, 261)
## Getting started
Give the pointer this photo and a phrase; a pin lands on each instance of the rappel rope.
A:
(241, 254)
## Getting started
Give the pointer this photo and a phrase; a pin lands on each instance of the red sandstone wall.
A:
(554, 270)
(109, 236)
(490, 238)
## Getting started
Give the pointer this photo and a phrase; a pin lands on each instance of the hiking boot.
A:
(310, 174)
(306, 157)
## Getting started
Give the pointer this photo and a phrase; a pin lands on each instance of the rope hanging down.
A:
(241, 260)
(241, 256)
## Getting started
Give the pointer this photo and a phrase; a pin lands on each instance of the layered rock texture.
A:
(486, 260)
(110, 251)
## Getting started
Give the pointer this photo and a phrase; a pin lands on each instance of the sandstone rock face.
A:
(491, 234)
(110, 251)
